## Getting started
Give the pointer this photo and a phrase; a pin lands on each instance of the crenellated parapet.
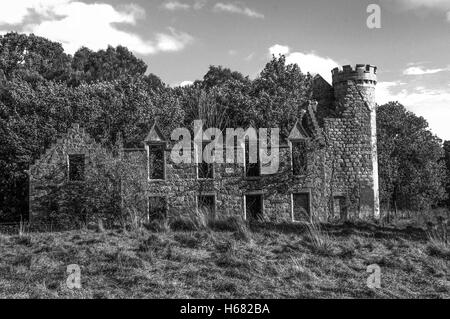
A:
(363, 74)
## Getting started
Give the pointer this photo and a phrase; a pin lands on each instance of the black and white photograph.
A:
(223, 158)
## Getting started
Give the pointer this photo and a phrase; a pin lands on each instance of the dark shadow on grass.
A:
(345, 229)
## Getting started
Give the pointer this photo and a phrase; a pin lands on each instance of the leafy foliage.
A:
(412, 174)
(44, 90)
(447, 162)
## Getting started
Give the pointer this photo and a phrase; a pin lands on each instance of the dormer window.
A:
(299, 157)
(76, 167)
(299, 138)
(156, 146)
(252, 169)
(205, 170)
(156, 161)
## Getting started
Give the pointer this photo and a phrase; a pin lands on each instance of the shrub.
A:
(192, 219)
(242, 231)
(187, 240)
(438, 245)
(146, 244)
(226, 247)
(24, 240)
(124, 259)
(182, 224)
(319, 239)
(157, 226)
(234, 224)
(225, 286)
(228, 223)
(231, 261)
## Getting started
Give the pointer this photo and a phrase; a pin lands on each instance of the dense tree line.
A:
(412, 170)
(43, 91)
(447, 162)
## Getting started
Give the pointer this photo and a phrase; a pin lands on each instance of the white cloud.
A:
(238, 9)
(249, 57)
(186, 83)
(308, 62)
(278, 49)
(175, 5)
(199, 4)
(95, 26)
(435, 5)
(172, 42)
(15, 11)
(414, 4)
(418, 70)
(384, 91)
(433, 105)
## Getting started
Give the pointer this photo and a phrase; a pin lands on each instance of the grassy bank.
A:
(271, 261)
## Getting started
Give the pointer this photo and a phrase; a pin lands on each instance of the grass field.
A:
(266, 262)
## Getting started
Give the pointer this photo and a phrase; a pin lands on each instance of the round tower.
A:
(363, 75)
(354, 92)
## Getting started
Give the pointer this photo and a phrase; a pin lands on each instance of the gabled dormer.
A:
(155, 144)
(155, 136)
(298, 132)
(298, 141)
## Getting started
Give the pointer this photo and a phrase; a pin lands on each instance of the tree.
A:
(33, 58)
(218, 75)
(105, 65)
(447, 162)
(412, 175)
(154, 82)
(30, 119)
(280, 91)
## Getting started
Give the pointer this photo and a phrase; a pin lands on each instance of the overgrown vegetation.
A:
(43, 91)
(413, 174)
(213, 262)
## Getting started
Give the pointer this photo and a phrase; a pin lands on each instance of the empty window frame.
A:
(157, 207)
(340, 206)
(252, 169)
(254, 207)
(204, 169)
(299, 157)
(76, 167)
(301, 206)
(156, 161)
(207, 204)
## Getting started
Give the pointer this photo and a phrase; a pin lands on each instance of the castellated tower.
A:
(353, 139)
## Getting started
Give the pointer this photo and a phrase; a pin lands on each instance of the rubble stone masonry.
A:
(341, 165)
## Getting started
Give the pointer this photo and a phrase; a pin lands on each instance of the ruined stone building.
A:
(328, 165)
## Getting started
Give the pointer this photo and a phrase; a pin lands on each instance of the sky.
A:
(180, 39)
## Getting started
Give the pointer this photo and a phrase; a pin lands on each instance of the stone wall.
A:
(342, 162)
(51, 191)
(229, 185)
(351, 156)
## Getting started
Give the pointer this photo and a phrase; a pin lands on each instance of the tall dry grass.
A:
(438, 241)
(320, 240)
(198, 219)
